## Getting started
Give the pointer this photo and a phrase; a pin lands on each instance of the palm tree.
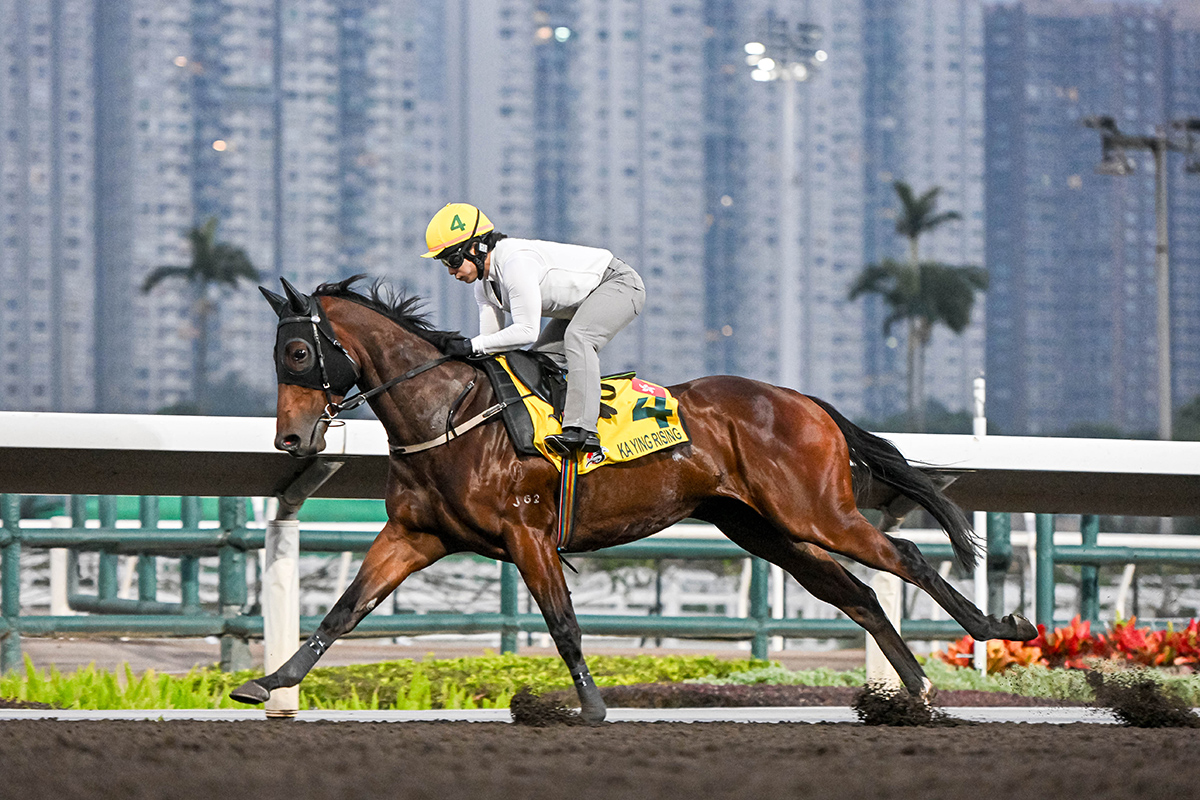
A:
(213, 263)
(921, 293)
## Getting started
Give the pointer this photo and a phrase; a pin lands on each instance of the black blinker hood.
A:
(302, 318)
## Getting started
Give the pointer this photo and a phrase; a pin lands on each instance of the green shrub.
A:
(480, 682)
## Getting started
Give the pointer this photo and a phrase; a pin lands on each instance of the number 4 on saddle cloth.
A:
(636, 417)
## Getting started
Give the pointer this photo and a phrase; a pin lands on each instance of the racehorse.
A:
(768, 466)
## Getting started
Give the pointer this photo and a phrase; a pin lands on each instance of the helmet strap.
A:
(476, 258)
(477, 255)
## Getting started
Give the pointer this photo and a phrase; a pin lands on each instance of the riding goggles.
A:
(453, 257)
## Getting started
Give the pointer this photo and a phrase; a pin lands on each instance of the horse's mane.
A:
(400, 308)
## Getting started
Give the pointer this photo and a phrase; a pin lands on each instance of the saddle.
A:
(541, 375)
(545, 380)
(637, 418)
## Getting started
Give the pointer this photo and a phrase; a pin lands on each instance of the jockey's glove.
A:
(459, 346)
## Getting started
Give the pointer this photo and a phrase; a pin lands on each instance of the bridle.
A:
(336, 373)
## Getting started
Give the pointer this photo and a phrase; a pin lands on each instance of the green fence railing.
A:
(231, 539)
(1090, 556)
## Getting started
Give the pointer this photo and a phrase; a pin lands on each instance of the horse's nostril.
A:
(289, 442)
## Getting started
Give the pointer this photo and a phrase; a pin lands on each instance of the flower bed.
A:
(1076, 647)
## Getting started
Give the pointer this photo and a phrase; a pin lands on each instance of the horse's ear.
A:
(296, 299)
(278, 302)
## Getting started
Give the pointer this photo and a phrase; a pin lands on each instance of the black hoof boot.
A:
(593, 715)
(250, 693)
(573, 440)
(1025, 630)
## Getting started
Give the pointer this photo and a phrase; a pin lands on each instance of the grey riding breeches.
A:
(576, 342)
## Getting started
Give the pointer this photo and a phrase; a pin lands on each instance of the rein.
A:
(332, 409)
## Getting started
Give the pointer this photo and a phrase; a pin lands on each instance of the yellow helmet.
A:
(454, 224)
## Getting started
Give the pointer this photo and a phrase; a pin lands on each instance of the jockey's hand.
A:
(459, 346)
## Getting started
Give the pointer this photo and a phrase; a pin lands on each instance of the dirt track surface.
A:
(296, 760)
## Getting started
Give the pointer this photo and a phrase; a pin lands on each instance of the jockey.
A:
(587, 293)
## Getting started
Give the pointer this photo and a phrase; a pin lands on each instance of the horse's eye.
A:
(299, 357)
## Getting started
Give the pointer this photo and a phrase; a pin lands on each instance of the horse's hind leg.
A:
(829, 581)
(854, 537)
(542, 573)
(394, 555)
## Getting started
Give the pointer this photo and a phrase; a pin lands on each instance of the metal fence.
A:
(231, 539)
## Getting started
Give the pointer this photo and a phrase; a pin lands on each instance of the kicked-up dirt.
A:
(298, 760)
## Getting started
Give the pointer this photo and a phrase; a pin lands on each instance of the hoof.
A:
(250, 693)
(928, 691)
(593, 715)
(1025, 630)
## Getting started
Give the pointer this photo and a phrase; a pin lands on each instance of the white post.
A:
(128, 570)
(981, 587)
(887, 589)
(281, 580)
(281, 609)
(59, 559)
(788, 288)
(777, 578)
(343, 576)
(1123, 590)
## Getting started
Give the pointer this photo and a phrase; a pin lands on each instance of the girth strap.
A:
(566, 501)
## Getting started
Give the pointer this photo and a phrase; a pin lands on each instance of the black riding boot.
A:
(573, 440)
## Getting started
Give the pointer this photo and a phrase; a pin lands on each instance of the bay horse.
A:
(768, 466)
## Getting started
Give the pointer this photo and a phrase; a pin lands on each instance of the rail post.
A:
(999, 559)
(78, 508)
(1044, 575)
(1089, 575)
(106, 579)
(760, 606)
(509, 585)
(235, 650)
(10, 582)
(281, 581)
(147, 566)
(189, 566)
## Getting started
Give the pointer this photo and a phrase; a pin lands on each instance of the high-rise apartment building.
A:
(1072, 307)
(758, 218)
(47, 185)
(924, 125)
(637, 176)
(307, 128)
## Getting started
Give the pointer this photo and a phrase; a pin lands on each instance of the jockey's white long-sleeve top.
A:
(531, 279)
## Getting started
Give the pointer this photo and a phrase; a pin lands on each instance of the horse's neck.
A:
(414, 410)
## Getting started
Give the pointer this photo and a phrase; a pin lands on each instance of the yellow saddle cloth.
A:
(646, 420)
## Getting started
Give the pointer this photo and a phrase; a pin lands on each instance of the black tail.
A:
(885, 463)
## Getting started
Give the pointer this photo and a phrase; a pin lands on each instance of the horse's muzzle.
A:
(295, 445)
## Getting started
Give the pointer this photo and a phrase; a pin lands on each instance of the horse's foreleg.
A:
(394, 555)
(542, 573)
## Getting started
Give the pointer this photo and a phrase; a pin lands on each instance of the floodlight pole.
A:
(789, 56)
(1162, 277)
(1114, 144)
